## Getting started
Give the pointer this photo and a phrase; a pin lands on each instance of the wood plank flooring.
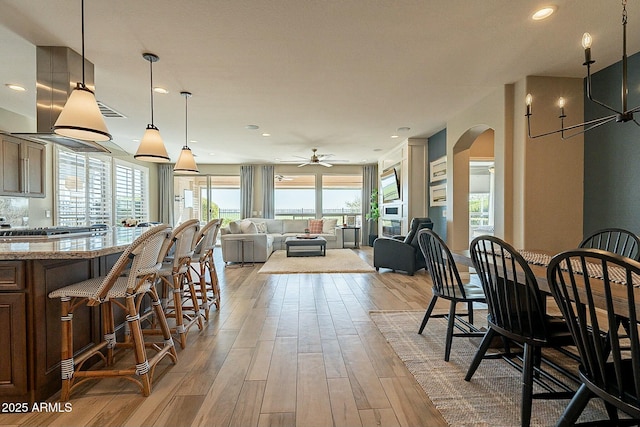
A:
(284, 350)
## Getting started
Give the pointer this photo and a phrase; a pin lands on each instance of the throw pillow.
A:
(329, 225)
(248, 227)
(315, 226)
(261, 227)
(234, 227)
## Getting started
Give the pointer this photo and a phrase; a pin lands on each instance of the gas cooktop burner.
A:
(51, 231)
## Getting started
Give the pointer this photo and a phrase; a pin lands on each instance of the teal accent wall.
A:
(612, 154)
(437, 147)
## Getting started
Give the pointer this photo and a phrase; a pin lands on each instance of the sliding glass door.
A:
(205, 197)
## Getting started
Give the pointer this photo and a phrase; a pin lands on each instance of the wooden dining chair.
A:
(183, 305)
(517, 312)
(609, 361)
(617, 240)
(448, 285)
(142, 259)
(209, 291)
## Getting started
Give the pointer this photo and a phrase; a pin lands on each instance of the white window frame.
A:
(85, 212)
(78, 188)
(140, 181)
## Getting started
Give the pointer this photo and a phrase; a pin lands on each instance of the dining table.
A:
(538, 261)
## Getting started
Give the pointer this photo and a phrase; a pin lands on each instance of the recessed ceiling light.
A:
(16, 87)
(135, 140)
(193, 141)
(212, 154)
(160, 90)
(276, 159)
(252, 127)
(403, 129)
(266, 134)
(544, 13)
(394, 136)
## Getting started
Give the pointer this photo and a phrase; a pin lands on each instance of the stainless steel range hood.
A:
(58, 69)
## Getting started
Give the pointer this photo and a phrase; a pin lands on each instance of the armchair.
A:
(401, 252)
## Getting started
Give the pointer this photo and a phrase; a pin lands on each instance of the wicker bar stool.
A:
(209, 292)
(183, 306)
(125, 291)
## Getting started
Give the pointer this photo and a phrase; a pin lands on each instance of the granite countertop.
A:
(81, 246)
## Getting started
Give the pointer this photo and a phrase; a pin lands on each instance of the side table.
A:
(356, 235)
(242, 246)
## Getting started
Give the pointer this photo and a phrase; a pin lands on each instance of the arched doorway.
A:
(473, 169)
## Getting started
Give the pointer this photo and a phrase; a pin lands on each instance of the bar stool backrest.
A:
(143, 254)
(206, 239)
(182, 242)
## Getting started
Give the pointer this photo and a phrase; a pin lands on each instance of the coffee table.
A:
(306, 247)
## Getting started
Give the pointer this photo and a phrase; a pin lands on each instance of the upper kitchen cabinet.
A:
(23, 167)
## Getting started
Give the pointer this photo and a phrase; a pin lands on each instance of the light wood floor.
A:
(284, 350)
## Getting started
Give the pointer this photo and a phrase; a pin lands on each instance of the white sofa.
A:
(268, 235)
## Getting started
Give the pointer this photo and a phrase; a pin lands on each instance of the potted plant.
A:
(373, 216)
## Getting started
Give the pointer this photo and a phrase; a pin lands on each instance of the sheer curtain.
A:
(369, 182)
(165, 196)
(268, 192)
(246, 191)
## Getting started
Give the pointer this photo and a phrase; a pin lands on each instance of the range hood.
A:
(58, 69)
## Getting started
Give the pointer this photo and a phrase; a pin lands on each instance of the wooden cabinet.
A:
(13, 333)
(23, 167)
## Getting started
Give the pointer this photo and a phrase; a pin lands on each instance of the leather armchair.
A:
(401, 252)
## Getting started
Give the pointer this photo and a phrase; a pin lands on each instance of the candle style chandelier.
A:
(623, 115)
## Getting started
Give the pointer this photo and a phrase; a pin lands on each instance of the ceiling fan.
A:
(281, 178)
(318, 159)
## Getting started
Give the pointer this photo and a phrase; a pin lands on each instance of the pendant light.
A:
(186, 162)
(151, 147)
(81, 117)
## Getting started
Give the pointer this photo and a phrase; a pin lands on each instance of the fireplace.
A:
(391, 227)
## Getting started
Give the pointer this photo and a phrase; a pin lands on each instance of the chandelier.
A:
(622, 115)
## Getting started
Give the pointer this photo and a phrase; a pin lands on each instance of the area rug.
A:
(336, 261)
(491, 398)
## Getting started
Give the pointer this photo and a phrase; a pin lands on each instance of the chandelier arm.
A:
(636, 122)
(592, 99)
(595, 125)
(591, 123)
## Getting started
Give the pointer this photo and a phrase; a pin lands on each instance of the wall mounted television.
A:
(389, 186)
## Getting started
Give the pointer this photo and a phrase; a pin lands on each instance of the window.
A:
(295, 196)
(131, 185)
(83, 189)
(96, 189)
(342, 197)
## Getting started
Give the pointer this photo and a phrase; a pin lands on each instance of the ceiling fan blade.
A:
(304, 164)
(326, 165)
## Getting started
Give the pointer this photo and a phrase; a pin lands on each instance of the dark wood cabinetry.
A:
(30, 332)
(23, 167)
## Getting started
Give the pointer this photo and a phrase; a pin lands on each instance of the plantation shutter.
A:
(131, 187)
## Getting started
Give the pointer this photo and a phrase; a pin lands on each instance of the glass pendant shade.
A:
(186, 162)
(81, 118)
(151, 148)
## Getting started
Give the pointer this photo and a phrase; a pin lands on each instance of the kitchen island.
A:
(30, 268)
